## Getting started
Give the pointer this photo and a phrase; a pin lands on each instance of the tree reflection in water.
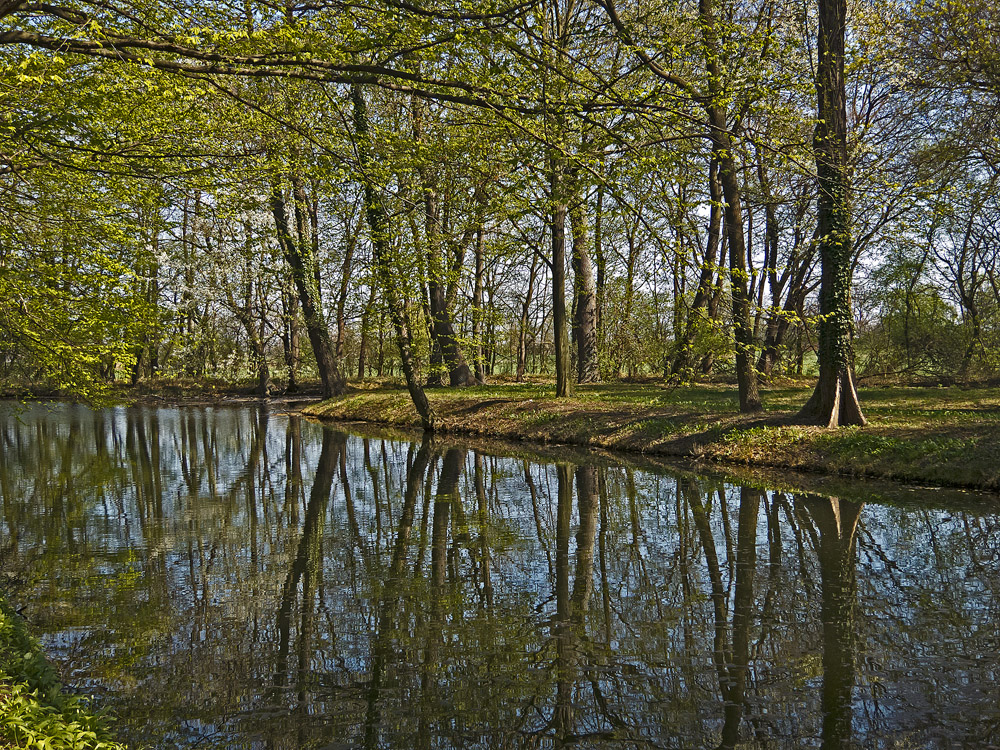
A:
(234, 578)
(836, 522)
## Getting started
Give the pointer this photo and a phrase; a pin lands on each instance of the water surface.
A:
(233, 578)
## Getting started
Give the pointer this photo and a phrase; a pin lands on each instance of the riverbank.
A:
(34, 710)
(943, 436)
(176, 392)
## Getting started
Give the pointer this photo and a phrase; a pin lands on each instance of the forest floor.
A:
(939, 435)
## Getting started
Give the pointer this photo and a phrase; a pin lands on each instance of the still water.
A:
(233, 578)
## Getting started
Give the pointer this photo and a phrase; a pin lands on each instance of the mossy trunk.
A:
(835, 400)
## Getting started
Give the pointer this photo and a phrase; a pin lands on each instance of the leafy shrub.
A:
(34, 712)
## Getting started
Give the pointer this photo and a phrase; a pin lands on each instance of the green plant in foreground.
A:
(34, 712)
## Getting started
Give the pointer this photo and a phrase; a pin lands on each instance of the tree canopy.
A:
(458, 191)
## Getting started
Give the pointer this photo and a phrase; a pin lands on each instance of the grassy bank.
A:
(35, 713)
(946, 436)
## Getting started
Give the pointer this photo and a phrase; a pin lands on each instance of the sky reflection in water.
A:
(225, 577)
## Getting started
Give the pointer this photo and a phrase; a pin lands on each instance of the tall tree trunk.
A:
(378, 223)
(585, 291)
(746, 376)
(477, 302)
(564, 384)
(601, 264)
(556, 31)
(722, 146)
(301, 261)
(835, 400)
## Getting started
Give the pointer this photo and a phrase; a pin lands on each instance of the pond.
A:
(230, 577)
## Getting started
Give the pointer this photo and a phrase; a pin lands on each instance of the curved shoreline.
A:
(960, 453)
(931, 436)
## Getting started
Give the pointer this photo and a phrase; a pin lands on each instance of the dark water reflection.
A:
(229, 578)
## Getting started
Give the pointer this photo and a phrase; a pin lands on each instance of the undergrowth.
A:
(35, 713)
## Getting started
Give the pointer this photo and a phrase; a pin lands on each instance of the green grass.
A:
(946, 436)
(35, 713)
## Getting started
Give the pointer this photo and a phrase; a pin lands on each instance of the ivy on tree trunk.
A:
(835, 400)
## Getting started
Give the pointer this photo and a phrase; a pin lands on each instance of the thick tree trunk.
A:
(601, 264)
(378, 222)
(459, 373)
(585, 291)
(835, 400)
(302, 263)
(556, 31)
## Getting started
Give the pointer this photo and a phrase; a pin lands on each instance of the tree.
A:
(381, 232)
(714, 96)
(835, 400)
